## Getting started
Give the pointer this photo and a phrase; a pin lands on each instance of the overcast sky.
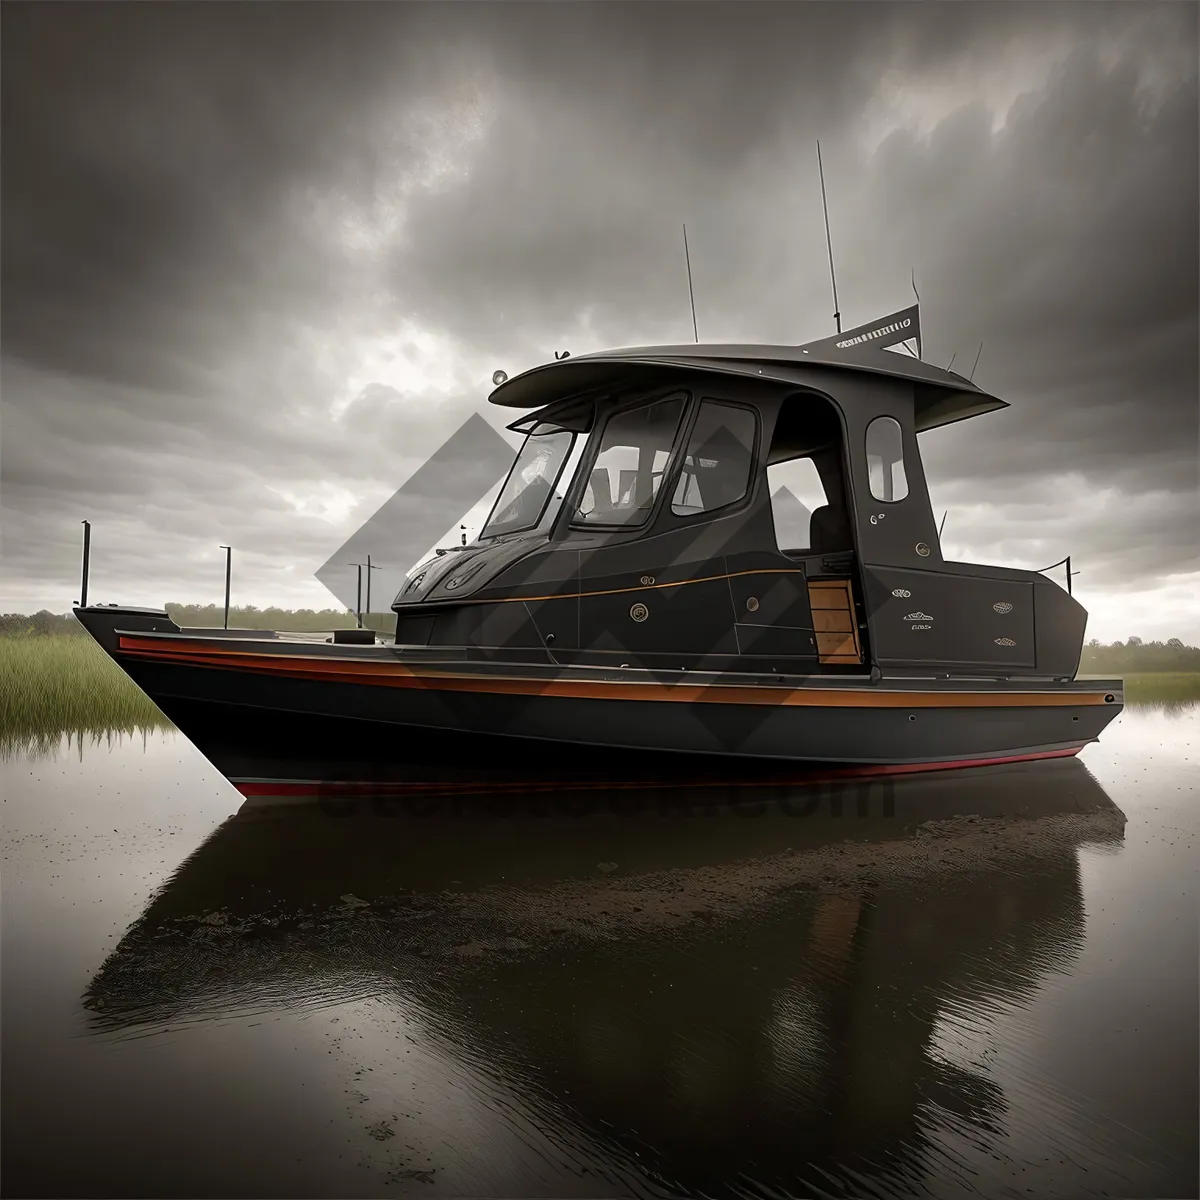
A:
(260, 260)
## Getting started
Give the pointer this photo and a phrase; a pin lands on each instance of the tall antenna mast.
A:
(837, 316)
(691, 295)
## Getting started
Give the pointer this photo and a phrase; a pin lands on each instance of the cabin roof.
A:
(941, 396)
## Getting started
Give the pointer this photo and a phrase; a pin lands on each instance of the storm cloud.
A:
(259, 261)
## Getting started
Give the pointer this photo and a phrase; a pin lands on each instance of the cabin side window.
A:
(635, 450)
(885, 460)
(717, 461)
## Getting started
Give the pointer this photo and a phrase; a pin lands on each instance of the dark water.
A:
(979, 983)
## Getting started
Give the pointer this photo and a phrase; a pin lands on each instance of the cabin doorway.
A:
(806, 476)
(806, 479)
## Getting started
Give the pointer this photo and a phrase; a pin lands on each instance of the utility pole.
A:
(87, 549)
(358, 601)
(370, 568)
(228, 568)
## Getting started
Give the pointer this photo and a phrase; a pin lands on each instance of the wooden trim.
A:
(839, 645)
(832, 620)
(404, 675)
(644, 587)
(832, 604)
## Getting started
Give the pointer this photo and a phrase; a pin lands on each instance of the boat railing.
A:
(1062, 562)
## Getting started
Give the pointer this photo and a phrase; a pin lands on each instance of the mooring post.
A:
(228, 567)
(87, 550)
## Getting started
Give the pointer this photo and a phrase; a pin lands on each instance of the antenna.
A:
(943, 524)
(951, 362)
(691, 294)
(837, 316)
(912, 278)
(971, 377)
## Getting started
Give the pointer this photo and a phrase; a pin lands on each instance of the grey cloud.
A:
(179, 311)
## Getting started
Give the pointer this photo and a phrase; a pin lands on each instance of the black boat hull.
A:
(396, 703)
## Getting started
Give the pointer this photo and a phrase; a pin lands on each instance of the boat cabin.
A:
(640, 526)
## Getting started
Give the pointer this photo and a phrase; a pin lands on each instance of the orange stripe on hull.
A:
(402, 675)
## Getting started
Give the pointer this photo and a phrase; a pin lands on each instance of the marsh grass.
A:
(56, 685)
(1158, 689)
(53, 685)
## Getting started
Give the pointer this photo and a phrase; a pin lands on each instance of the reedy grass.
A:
(55, 685)
(1158, 688)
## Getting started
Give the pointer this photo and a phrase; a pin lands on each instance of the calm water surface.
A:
(989, 988)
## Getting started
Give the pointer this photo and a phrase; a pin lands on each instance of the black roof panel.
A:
(941, 395)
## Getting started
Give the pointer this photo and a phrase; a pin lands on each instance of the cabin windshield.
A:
(530, 483)
(631, 463)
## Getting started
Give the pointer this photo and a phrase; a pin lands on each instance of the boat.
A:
(628, 592)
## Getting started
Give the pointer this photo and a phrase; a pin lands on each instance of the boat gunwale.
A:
(356, 664)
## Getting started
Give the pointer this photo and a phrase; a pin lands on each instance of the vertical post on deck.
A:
(87, 552)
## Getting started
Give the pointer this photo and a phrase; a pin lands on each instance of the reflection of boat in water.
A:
(745, 994)
(630, 589)
(394, 844)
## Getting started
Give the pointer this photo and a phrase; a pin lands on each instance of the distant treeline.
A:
(1133, 655)
(1136, 655)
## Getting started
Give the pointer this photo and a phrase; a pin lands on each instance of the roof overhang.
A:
(941, 397)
